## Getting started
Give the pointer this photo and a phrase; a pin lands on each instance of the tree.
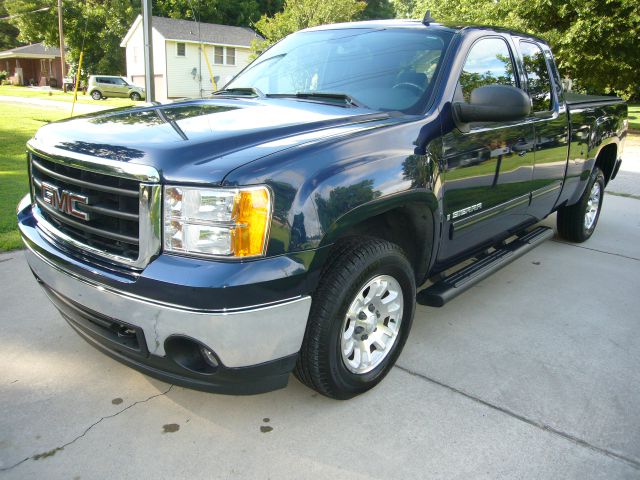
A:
(107, 21)
(596, 43)
(237, 12)
(299, 14)
(8, 33)
(98, 26)
(377, 10)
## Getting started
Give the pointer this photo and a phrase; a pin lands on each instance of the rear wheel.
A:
(360, 318)
(577, 223)
(96, 95)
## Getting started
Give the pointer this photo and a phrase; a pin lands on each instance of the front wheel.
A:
(577, 223)
(360, 318)
(135, 96)
(96, 95)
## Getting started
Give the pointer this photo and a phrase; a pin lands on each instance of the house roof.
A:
(35, 50)
(187, 31)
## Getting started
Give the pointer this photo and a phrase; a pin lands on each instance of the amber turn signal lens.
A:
(252, 212)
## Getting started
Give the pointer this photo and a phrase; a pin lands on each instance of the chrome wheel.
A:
(372, 324)
(593, 205)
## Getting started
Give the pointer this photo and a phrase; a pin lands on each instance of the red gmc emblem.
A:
(64, 201)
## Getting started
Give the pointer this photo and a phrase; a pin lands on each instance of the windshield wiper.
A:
(320, 96)
(239, 92)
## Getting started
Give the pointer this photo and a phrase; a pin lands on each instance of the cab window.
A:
(538, 82)
(489, 62)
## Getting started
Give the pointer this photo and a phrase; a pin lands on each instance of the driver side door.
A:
(488, 170)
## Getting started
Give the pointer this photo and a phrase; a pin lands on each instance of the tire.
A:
(577, 222)
(356, 263)
(96, 95)
(135, 97)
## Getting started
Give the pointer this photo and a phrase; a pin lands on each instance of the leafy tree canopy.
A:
(595, 42)
(104, 21)
(8, 33)
(225, 12)
(299, 14)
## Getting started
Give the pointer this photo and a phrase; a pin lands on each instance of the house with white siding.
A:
(190, 59)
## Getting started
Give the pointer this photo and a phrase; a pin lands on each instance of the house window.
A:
(180, 49)
(218, 55)
(231, 56)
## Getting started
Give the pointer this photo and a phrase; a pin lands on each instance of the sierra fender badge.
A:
(464, 211)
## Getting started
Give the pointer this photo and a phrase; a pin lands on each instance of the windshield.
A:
(381, 69)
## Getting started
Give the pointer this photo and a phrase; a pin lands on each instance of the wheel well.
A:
(606, 160)
(409, 227)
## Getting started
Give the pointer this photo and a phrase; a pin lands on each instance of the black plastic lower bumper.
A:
(106, 335)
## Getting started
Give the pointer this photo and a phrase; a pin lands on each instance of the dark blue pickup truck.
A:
(286, 223)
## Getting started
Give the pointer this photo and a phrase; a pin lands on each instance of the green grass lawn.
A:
(18, 123)
(634, 117)
(60, 96)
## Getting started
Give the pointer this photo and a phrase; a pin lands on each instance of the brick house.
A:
(32, 65)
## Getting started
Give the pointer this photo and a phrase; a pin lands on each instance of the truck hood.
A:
(203, 140)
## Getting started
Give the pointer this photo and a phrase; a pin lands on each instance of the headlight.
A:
(217, 222)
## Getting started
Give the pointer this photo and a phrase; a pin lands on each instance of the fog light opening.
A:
(209, 357)
(191, 355)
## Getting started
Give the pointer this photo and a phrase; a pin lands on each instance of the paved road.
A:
(531, 374)
(80, 108)
(627, 181)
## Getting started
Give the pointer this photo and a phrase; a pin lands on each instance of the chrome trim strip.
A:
(116, 168)
(134, 217)
(548, 189)
(54, 235)
(80, 183)
(87, 228)
(277, 329)
(150, 224)
(158, 303)
(23, 203)
(490, 212)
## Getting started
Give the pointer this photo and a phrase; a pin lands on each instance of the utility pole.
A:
(61, 35)
(149, 83)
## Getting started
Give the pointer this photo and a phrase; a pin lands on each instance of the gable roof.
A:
(187, 31)
(31, 51)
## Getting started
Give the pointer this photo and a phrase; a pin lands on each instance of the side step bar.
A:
(450, 287)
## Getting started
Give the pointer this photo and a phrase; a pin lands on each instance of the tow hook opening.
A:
(191, 354)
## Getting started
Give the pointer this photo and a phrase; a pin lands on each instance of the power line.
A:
(15, 15)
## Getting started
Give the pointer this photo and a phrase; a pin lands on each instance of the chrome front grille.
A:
(113, 207)
(117, 217)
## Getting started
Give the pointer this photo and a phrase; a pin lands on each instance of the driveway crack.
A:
(542, 426)
(53, 451)
(596, 250)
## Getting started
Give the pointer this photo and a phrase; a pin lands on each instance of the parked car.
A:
(287, 223)
(105, 86)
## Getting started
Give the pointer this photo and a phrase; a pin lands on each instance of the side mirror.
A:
(493, 103)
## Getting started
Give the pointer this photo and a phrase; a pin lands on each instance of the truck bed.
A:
(580, 99)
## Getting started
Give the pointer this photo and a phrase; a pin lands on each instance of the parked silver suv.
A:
(104, 86)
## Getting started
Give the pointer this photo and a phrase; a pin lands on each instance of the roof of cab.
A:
(413, 23)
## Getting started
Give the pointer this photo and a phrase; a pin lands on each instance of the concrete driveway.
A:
(534, 373)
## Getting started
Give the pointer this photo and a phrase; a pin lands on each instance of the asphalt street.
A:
(533, 373)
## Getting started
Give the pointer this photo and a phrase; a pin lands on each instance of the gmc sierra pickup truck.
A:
(286, 223)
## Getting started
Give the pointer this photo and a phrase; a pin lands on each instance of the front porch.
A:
(32, 65)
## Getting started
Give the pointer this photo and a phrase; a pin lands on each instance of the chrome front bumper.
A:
(240, 338)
